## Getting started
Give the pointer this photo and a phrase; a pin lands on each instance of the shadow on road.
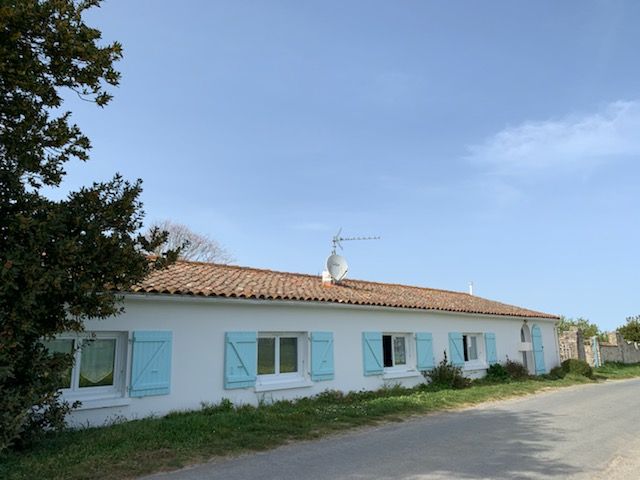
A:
(494, 443)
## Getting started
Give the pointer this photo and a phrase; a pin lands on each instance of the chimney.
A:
(327, 281)
(470, 288)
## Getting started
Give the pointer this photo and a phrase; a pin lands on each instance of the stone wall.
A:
(571, 345)
(617, 349)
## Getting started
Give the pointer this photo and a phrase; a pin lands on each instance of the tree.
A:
(192, 245)
(588, 329)
(631, 330)
(61, 262)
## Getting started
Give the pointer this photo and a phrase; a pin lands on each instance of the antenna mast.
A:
(337, 240)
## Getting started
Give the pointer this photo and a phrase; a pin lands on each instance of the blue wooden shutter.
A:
(490, 345)
(456, 352)
(424, 351)
(372, 353)
(150, 364)
(321, 356)
(538, 349)
(240, 359)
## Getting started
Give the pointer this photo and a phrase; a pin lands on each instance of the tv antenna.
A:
(337, 240)
(337, 266)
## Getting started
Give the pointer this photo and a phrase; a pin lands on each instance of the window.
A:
(99, 364)
(394, 350)
(62, 346)
(473, 350)
(280, 355)
(470, 346)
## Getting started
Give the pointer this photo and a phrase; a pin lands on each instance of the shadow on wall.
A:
(497, 444)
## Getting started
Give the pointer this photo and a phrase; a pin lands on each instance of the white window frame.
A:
(87, 394)
(480, 362)
(276, 381)
(409, 353)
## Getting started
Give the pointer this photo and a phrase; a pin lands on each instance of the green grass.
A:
(130, 449)
(618, 371)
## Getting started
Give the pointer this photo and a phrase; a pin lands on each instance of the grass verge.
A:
(134, 448)
(615, 371)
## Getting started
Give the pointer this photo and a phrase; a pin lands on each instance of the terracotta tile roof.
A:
(213, 280)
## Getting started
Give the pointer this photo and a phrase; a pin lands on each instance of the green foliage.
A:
(557, 373)
(132, 449)
(446, 375)
(510, 370)
(497, 373)
(61, 262)
(225, 405)
(516, 370)
(577, 367)
(618, 370)
(630, 331)
(588, 329)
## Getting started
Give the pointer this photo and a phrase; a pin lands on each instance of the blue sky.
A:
(493, 142)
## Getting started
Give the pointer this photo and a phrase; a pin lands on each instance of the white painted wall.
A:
(199, 326)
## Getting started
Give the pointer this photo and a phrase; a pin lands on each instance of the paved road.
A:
(585, 432)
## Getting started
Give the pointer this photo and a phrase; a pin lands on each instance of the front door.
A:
(538, 349)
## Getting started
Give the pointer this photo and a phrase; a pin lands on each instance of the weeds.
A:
(139, 447)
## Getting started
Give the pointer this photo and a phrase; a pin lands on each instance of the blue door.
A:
(538, 349)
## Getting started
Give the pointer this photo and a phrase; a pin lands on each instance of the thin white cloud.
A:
(574, 142)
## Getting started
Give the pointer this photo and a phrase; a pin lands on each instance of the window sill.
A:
(474, 366)
(285, 385)
(94, 403)
(400, 374)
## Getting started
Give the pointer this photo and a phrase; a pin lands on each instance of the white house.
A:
(198, 332)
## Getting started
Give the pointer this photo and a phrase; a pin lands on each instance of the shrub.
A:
(331, 396)
(577, 367)
(557, 373)
(516, 370)
(497, 373)
(224, 406)
(446, 375)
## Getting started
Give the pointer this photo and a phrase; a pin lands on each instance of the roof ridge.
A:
(311, 275)
(251, 282)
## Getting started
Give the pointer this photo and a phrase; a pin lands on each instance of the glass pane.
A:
(473, 348)
(97, 361)
(62, 346)
(465, 347)
(399, 353)
(387, 354)
(266, 356)
(288, 355)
